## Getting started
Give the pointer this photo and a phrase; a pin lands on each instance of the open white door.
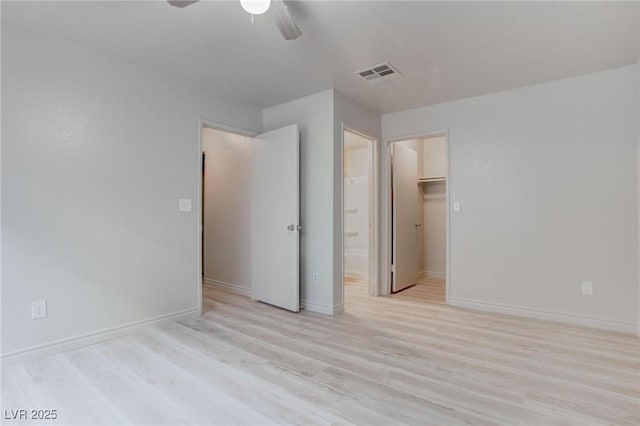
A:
(405, 214)
(275, 215)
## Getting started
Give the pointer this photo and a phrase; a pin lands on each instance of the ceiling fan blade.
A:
(181, 3)
(284, 21)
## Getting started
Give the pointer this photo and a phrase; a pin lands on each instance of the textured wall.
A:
(546, 176)
(95, 155)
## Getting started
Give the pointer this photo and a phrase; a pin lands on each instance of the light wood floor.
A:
(406, 359)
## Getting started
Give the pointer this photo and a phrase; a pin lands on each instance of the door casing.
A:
(374, 229)
(386, 207)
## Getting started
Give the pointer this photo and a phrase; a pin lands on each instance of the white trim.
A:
(233, 288)
(385, 197)
(323, 309)
(90, 338)
(600, 323)
(226, 128)
(433, 275)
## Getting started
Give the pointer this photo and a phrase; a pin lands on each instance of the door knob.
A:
(417, 225)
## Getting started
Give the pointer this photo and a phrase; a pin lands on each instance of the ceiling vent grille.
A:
(379, 73)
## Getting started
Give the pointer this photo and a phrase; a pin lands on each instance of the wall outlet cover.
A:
(184, 204)
(587, 288)
(38, 309)
(315, 278)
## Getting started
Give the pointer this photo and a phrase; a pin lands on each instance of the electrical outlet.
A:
(184, 204)
(587, 288)
(315, 278)
(38, 309)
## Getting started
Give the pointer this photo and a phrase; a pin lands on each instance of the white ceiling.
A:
(445, 51)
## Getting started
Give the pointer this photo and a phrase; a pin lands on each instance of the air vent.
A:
(379, 73)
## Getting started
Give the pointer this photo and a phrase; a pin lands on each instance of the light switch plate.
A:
(185, 204)
(456, 206)
(587, 288)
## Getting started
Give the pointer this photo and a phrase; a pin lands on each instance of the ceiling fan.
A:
(276, 8)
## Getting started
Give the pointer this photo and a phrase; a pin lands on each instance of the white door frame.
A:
(385, 257)
(373, 208)
(202, 123)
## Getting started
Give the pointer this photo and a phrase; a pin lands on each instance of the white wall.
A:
(96, 154)
(321, 117)
(314, 116)
(547, 179)
(227, 208)
(434, 201)
(356, 160)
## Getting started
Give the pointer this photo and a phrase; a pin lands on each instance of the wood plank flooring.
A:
(405, 359)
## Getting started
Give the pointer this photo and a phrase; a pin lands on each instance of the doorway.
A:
(359, 216)
(417, 222)
(226, 210)
(241, 226)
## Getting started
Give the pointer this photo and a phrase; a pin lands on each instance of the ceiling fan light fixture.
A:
(255, 7)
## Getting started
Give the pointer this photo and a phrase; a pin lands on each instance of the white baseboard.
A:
(545, 315)
(436, 275)
(433, 275)
(323, 309)
(233, 288)
(86, 339)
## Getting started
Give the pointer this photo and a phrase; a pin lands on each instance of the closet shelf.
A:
(351, 233)
(354, 210)
(432, 179)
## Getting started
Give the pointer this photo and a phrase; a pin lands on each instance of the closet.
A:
(432, 182)
(419, 197)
